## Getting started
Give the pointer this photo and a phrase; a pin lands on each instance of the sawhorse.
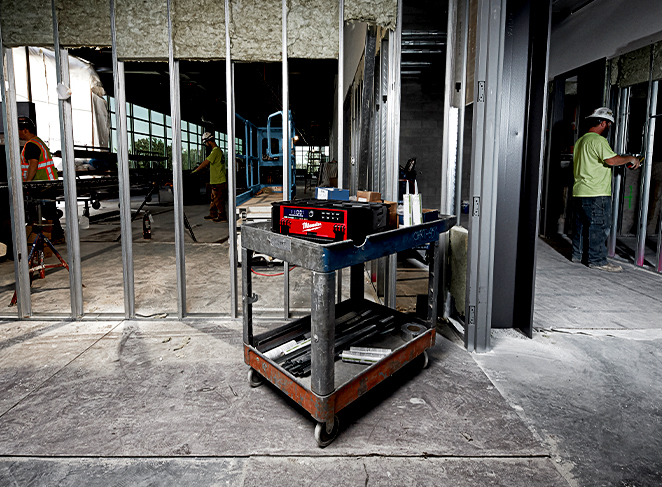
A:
(36, 260)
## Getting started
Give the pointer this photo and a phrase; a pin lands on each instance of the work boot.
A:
(220, 219)
(209, 217)
(607, 267)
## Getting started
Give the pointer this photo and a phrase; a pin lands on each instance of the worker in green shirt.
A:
(592, 163)
(217, 179)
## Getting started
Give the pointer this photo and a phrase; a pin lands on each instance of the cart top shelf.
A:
(329, 257)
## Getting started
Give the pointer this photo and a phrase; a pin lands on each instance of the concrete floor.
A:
(163, 402)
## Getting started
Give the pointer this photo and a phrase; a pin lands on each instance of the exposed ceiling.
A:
(258, 91)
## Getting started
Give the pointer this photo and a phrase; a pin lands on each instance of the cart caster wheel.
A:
(425, 361)
(325, 437)
(254, 379)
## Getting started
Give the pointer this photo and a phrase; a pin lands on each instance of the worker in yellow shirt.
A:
(217, 179)
(593, 160)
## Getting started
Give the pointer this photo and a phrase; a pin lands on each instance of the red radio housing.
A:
(328, 220)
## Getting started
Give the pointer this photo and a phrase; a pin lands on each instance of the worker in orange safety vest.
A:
(36, 160)
(37, 165)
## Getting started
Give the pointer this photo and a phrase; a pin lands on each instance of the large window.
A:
(150, 138)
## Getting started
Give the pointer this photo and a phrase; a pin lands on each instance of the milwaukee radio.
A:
(328, 220)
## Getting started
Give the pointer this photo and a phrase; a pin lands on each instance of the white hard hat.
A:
(603, 112)
(206, 137)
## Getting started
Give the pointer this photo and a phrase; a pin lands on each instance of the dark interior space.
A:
(258, 90)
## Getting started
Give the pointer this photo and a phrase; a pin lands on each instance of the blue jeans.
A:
(592, 227)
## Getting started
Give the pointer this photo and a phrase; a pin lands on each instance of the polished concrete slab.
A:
(145, 402)
(588, 383)
(280, 471)
(156, 389)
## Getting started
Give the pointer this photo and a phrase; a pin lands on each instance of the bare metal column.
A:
(619, 148)
(448, 159)
(393, 146)
(322, 308)
(68, 173)
(484, 167)
(340, 156)
(123, 174)
(286, 156)
(231, 165)
(177, 189)
(15, 181)
(341, 91)
(644, 193)
(462, 99)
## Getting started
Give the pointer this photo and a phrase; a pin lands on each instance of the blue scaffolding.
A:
(263, 149)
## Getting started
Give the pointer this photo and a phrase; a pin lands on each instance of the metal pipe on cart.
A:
(299, 363)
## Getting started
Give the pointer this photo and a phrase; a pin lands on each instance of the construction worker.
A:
(217, 179)
(36, 160)
(37, 165)
(592, 163)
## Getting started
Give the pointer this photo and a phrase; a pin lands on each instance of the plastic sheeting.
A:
(91, 120)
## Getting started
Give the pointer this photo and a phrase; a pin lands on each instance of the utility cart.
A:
(302, 358)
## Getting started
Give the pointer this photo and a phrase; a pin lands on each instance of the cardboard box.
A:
(332, 194)
(392, 215)
(368, 196)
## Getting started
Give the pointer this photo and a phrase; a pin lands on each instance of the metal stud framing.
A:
(15, 179)
(462, 105)
(123, 174)
(68, 174)
(644, 192)
(484, 158)
(619, 148)
(286, 156)
(393, 146)
(177, 189)
(231, 165)
(341, 117)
